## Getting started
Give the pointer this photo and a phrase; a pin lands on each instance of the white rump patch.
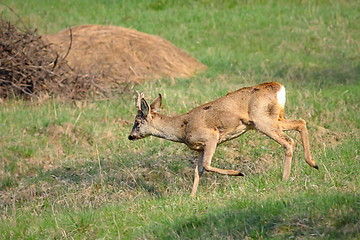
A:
(281, 96)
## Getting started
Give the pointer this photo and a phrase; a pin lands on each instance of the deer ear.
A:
(156, 104)
(144, 107)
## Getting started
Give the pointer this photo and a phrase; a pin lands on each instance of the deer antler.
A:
(138, 100)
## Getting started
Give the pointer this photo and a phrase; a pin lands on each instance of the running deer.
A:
(260, 107)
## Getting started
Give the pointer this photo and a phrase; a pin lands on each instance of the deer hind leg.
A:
(274, 132)
(300, 126)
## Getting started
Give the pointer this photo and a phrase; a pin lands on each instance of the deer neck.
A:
(169, 128)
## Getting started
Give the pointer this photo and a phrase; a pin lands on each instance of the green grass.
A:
(68, 171)
(329, 216)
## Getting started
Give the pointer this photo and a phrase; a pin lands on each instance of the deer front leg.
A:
(199, 169)
(209, 151)
(204, 162)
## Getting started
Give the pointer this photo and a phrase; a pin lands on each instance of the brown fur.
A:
(208, 125)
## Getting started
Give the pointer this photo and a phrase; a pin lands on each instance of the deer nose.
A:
(131, 137)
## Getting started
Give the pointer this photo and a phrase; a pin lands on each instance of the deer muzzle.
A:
(131, 137)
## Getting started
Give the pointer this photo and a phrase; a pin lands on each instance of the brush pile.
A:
(30, 68)
(85, 61)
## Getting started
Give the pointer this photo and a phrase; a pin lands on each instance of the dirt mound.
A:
(85, 61)
(118, 54)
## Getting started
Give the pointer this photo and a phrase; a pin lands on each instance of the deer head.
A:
(143, 126)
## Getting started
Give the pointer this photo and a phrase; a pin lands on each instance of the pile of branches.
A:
(30, 68)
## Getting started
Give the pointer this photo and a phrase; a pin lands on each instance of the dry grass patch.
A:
(117, 54)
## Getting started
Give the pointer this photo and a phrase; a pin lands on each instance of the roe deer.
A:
(260, 107)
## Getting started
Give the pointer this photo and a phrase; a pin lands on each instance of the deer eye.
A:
(139, 121)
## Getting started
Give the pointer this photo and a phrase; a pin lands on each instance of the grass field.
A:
(67, 170)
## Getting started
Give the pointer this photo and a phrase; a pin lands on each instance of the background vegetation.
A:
(67, 170)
